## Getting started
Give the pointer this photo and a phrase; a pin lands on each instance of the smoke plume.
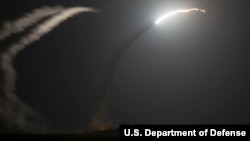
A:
(27, 20)
(15, 115)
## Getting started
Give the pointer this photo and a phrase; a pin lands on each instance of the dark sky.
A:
(193, 68)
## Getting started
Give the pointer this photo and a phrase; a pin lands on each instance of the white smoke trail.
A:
(176, 12)
(10, 105)
(44, 28)
(27, 20)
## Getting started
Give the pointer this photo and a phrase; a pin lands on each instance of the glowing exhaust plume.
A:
(27, 20)
(176, 12)
(13, 111)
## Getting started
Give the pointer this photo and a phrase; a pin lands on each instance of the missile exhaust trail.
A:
(100, 118)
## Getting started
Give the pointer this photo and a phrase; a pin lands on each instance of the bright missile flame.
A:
(176, 12)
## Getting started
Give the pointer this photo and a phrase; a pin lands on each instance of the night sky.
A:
(192, 69)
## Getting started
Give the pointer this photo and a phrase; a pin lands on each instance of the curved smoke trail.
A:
(27, 20)
(44, 28)
(100, 118)
(16, 114)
